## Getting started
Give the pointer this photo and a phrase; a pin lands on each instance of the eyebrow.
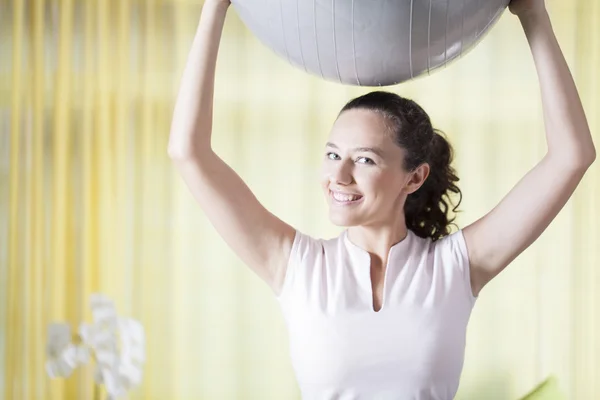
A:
(374, 150)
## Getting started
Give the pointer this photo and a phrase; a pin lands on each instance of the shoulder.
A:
(449, 251)
(452, 253)
(446, 257)
(305, 247)
(307, 255)
(452, 246)
(449, 244)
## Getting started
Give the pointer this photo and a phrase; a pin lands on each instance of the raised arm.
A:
(500, 236)
(260, 239)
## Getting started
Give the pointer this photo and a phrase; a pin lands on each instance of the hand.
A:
(522, 8)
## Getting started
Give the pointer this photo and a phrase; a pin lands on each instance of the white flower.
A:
(133, 354)
(63, 355)
(115, 387)
(120, 358)
(132, 341)
(103, 310)
(117, 344)
(59, 336)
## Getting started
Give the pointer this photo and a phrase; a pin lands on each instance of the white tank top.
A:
(412, 349)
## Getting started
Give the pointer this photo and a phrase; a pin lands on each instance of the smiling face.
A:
(363, 176)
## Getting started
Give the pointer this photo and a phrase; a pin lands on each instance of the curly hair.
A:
(427, 210)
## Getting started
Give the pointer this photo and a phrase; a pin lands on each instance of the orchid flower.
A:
(63, 355)
(116, 343)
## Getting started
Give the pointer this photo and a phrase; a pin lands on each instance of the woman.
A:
(380, 312)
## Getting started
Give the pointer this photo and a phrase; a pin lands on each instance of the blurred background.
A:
(89, 201)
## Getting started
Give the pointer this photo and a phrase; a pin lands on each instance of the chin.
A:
(341, 220)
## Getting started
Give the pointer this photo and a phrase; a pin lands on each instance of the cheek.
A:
(325, 186)
(385, 186)
(324, 175)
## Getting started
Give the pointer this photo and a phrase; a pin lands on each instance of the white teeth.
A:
(345, 197)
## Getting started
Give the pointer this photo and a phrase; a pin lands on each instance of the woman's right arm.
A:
(259, 238)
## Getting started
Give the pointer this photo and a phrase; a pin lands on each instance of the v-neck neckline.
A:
(361, 253)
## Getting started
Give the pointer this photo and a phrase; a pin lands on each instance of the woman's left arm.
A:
(495, 240)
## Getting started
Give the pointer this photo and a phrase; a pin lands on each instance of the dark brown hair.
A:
(426, 210)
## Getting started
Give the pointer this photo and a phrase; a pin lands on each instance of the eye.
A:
(365, 160)
(332, 156)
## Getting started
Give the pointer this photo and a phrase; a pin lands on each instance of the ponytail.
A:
(427, 210)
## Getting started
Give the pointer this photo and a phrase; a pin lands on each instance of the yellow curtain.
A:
(89, 201)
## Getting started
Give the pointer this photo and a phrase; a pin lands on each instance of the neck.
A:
(378, 240)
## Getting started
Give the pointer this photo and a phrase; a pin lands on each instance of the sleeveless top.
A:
(412, 349)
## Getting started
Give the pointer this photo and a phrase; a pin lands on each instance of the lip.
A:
(345, 203)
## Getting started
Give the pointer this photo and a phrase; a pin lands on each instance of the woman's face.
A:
(363, 176)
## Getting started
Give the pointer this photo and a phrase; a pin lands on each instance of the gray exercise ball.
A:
(370, 42)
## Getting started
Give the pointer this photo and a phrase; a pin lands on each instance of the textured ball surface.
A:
(370, 42)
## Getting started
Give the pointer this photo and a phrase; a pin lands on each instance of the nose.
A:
(341, 173)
